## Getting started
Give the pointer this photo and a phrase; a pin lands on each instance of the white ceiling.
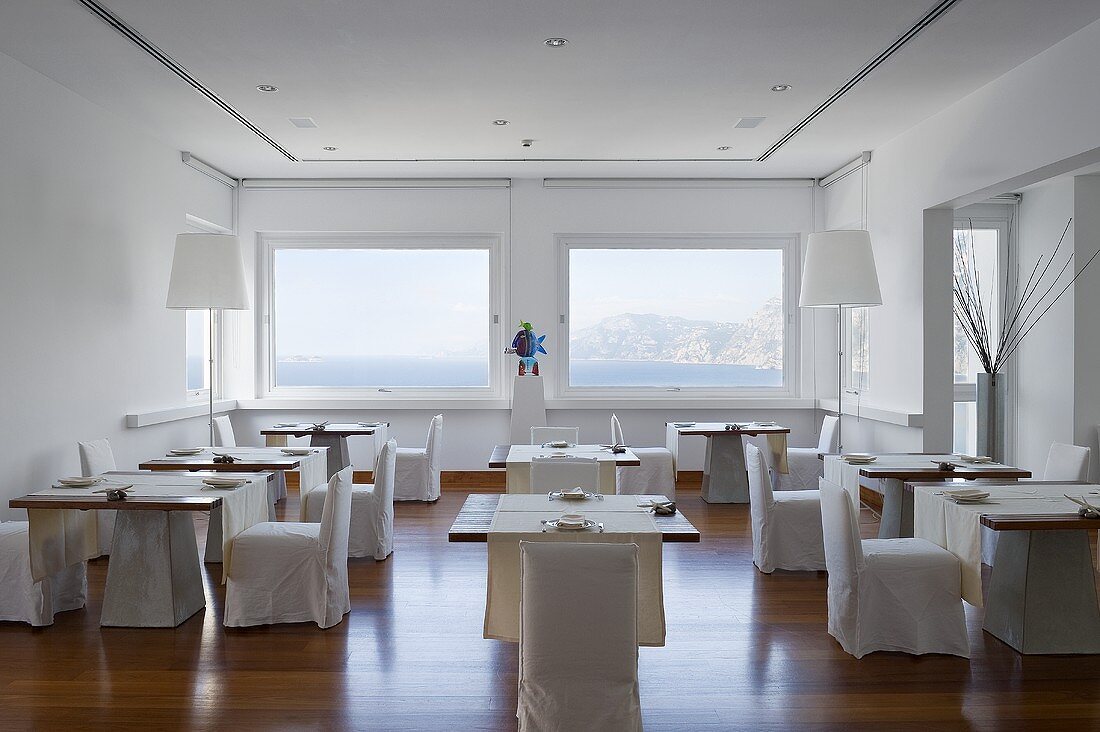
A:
(423, 79)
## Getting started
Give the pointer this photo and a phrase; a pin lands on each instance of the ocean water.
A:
(412, 371)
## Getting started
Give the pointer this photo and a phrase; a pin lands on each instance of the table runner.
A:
(538, 502)
(956, 526)
(62, 537)
(518, 464)
(509, 528)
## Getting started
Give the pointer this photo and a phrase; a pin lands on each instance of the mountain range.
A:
(758, 341)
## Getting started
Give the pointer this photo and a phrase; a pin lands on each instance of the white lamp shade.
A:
(839, 270)
(207, 272)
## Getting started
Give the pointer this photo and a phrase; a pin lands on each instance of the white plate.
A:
(224, 482)
(284, 424)
(369, 424)
(557, 524)
(970, 500)
(558, 444)
(683, 424)
(79, 481)
(297, 450)
(572, 495)
(181, 451)
(975, 459)
(766, 424)
(966, 493)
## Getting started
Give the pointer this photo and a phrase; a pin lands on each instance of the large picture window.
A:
(401, 313)
(677, 314)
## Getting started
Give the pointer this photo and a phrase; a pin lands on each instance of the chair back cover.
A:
(542, 435)
(223, 432)
(760, 500)
(617, 437)
(840, 526)
(336, 524)
(95, 457)
(1067, 462)
(433, 446)
(827, 441)
(578, 675)
(555, 474)
(385, 470)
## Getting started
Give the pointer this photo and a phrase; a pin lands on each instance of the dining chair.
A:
(543, 435)
(97, 457)
(803, 465)
(550, 474)
(223, 432)
(417, 476)
(371, 533)
(578, 672)
(285, 572)
(1067, 462)
(889, 594)
(656, 474)
(22, 600)
(786, 526)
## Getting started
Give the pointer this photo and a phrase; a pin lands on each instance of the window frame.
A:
(787, 243)
(269, 242)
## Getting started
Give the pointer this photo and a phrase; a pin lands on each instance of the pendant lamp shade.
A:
(839, 270)
(207, 273)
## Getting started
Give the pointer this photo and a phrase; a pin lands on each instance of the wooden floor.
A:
(745, 652)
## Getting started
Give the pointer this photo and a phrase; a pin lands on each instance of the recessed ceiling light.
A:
(330, 148)
(500, 122)
(781, 87)
(556, 42)
(267, 88)
(723, 148)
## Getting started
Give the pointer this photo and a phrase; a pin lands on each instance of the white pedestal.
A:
(528, 408)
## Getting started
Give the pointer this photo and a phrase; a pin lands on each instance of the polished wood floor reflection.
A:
(745, 652)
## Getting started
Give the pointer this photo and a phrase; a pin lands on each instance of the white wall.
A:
(1036, 121)
(528, 216)
(1044, 363)
(90, 207)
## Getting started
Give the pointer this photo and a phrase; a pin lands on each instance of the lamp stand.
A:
(210, 373)
(839, 379)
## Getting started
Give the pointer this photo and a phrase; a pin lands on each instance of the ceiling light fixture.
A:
(330, 148)
(267, 88)
(724, 148)
(781, 87)
(500, 122)
(556, 42)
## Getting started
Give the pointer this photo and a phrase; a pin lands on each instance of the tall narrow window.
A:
(198, 350)
(858, 349)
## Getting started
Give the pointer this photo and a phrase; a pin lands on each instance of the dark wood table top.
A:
(499, 457)
(712, 429)
(239, 465)
(476, 515)
(339, 429)
(99, 502)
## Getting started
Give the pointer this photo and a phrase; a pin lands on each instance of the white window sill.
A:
(173, 414)
(876, 414)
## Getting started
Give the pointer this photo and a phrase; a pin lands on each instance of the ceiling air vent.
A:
(747, 123)
(303, 123)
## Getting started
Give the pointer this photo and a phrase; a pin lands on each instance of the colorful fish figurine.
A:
(527, 346)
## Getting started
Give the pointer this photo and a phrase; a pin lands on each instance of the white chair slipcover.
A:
(371, 532)
(803, 465)
(556, 474)
(294, 572)
(786, 527)
(23, 600)
(656, 474)
(542, 435)
(889, 594)
(96, 457)
(578, 670)
(1064, 463)
(223, 432)
(417, 477)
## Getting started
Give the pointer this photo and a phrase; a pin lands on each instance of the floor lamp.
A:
(208, 274)
(839, 272)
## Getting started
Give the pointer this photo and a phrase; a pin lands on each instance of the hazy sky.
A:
(711, 284)
(333, 302)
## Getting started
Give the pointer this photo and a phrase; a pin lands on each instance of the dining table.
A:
(614, 519)
(154, 577)
(516, 460)
(310, 463)
(1042, 594)
(725, 479)
(333, 435)
(889, 472)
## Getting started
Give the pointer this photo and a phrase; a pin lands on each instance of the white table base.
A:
(724, 477)
(1042, 593)
(153, 578)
